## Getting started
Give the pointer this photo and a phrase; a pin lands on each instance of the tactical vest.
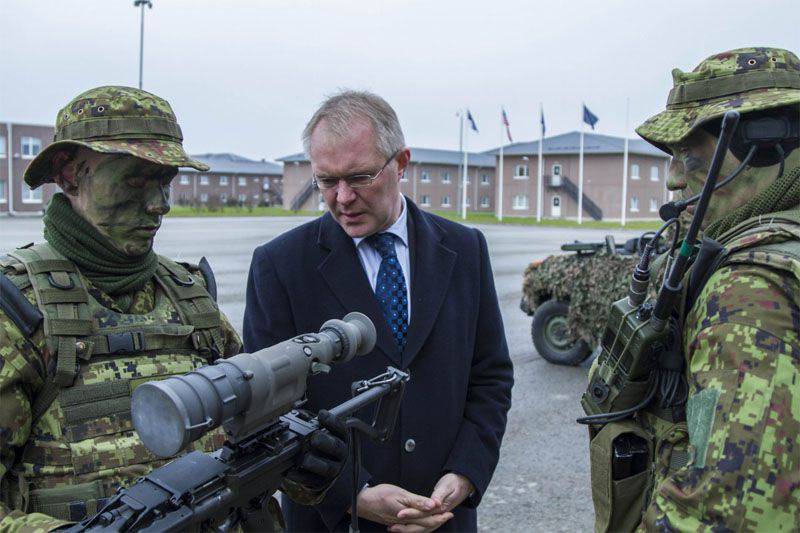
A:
(82, 445)
(771, 241)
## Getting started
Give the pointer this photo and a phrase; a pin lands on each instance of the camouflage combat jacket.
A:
(66, 437)
(734, 463)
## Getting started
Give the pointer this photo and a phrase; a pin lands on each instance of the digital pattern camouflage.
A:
(70, 457)
(745, 79)
(742, 344)
(65, 449)
(119, 120)
(590, 283)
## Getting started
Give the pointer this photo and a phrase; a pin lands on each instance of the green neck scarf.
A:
(782, 194)
(95, 256)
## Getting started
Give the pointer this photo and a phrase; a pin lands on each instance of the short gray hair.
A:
(339, 110)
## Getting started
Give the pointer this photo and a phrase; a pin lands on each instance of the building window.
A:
(265, 185)
(242, 182)
(31, 196)
(484, 201)
(635, 204)
(521, 172)
(31, 146)
(3, 197)
(2, 147)
(653, 205)
(223, 180)
(184, 179)
(242, 197)
(204, 197)
(469, 201)
(425, 201)
(223, 198)
(425, 177)
(446, 200)
(446, 176)
(520, 201)
(484, 179)
(634, 173)
(204, 180)
(654, 173)
(556, 170)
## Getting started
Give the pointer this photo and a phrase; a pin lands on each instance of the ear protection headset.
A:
(762, 139)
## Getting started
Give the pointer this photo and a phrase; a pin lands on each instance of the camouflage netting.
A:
(591, 283)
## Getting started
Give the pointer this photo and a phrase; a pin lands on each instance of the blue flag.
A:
(542, 121)
(472, 122)
(589, 117)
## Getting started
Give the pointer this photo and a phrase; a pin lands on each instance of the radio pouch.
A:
(618, 449)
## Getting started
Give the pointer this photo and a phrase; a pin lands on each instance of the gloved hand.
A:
(325, 456)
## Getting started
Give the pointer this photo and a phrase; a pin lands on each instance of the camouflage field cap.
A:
(745, 79)
(116, 120)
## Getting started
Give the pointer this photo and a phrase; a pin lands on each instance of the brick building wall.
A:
(16, 152)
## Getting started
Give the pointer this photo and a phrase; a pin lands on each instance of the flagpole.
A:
(625, 162)
(500, 173)
(463, 167)
(540, 168)
(580, 172)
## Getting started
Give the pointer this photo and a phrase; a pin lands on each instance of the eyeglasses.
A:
(356, 181)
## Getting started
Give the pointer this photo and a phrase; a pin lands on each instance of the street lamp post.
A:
(140, 4)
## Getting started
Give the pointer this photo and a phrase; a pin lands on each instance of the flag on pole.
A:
(542, 121)
(505, 123)
(472, 122)
(589, 117)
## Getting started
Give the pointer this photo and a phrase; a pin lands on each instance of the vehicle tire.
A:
(550, 335)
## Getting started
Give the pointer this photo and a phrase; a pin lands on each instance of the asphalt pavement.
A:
(542, 479)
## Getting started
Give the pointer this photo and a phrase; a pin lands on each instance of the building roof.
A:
(235, 164)
(569, 143)
(430, 156)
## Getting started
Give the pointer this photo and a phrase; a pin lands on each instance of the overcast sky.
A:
(244, 76)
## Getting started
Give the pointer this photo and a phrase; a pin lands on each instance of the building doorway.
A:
(555, 208)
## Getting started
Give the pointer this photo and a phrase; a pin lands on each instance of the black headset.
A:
(762, 139)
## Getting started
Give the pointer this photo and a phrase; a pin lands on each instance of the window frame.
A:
(25, 141)
(527, 172)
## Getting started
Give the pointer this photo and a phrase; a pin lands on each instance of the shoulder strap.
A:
(63, 300)
(194, 304)
(22, 313)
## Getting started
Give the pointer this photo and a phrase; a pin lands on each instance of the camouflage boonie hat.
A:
(116, 120)
(745, 79)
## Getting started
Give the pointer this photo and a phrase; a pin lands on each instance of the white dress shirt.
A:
(371, 259)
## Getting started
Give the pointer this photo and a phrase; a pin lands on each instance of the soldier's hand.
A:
(325, 456)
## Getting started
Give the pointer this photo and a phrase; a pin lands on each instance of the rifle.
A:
(255, 398)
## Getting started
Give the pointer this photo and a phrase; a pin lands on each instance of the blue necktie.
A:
(390, 287)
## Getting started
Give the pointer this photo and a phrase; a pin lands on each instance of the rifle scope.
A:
(245, 392)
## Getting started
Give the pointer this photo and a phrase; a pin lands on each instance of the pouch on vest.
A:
(621, 454)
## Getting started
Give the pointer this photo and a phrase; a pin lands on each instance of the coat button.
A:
(410, 445)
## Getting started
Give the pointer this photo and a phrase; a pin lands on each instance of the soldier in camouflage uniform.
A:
(94, 312)
(731, 461)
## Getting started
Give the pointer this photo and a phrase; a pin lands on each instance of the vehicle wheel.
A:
(551, 335)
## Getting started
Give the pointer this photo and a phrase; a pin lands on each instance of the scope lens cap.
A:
(158, 419)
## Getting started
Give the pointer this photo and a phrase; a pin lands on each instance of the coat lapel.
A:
(431, 267)
(344, 274)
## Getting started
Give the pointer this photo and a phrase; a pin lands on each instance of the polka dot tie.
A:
(390, 287)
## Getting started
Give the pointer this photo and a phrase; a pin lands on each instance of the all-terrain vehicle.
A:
(569, 295)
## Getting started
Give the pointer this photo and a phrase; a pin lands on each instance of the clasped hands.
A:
(406, 512)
